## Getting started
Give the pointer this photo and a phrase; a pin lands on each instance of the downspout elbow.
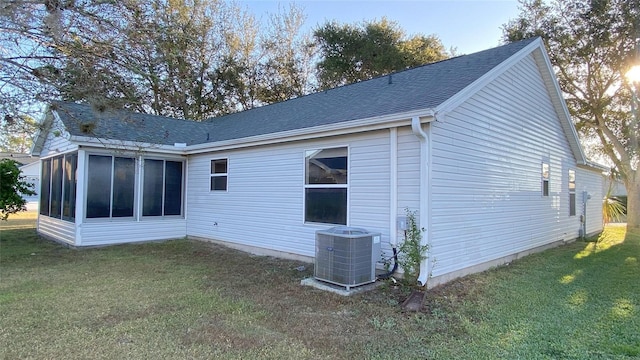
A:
(416, 127)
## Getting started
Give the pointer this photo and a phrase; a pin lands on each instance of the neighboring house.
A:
(481, 146)
(30, 170)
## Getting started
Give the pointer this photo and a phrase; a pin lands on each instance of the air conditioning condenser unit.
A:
(346, 256)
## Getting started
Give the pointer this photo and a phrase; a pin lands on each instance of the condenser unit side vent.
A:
(346, 256)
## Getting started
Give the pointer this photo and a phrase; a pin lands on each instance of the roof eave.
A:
(341, 128)
(125, 145)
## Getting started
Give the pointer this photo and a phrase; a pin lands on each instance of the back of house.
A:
(480, 146)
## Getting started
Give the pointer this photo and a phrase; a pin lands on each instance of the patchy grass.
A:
(187, 299)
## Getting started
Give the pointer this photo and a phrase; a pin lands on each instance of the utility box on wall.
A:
(346, 256)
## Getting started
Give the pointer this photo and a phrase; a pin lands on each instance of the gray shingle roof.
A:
(423, 87)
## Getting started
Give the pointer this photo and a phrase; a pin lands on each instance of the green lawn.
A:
(186, 299)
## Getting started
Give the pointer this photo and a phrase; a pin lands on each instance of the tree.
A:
(17, 133)
(12, 187)
(354, 53)
(190, 59)
(591, 45)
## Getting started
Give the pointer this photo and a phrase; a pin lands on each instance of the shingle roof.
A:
(423, 87)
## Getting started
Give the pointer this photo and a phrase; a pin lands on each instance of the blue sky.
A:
(468, 25)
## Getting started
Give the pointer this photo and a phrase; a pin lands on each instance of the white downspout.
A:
(393, 188)
(423, 216)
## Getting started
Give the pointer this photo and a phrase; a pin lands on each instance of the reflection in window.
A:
(572, 192)
(326, 186)
(545, 179)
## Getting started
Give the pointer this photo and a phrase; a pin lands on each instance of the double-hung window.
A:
(219, 174)
(326, 186)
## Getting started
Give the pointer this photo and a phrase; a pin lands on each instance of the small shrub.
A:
(411, 252)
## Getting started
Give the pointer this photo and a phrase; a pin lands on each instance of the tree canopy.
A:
(350, 53)
(190, 59)
(592, 44)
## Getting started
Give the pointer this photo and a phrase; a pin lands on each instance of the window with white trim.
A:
(326, 186)
(572, 192)
(545, 179)
(219, 174)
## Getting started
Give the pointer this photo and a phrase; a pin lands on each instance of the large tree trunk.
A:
(633, 201)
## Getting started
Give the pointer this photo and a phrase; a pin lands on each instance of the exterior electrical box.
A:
(346, 256)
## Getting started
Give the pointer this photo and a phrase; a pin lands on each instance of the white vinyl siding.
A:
(264, 207)
(119, 231)
(57, 141)
(590, 181)
(57, 229)
(486, 201)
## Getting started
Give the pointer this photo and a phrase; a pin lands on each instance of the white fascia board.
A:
(42, 132)
(544, 63)
(126, 145)
(342, 128)
(464, 94)
(594, 166)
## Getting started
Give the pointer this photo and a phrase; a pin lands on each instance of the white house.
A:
(481, 146)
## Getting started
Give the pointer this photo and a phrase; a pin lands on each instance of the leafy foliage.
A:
(411, 252)
(353, 53)
(12, 187)
(591, 45)
(612, 207)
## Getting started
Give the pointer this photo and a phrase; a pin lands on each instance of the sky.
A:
(466, 25)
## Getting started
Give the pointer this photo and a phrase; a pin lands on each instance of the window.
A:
(58, 187)
(545, 179)
(572, 192)
(219, 173)
(110, 186)
(45, 187)
(326, 185)
(162, 188)
(69, 187)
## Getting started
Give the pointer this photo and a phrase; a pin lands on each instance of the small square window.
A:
(219, 174)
